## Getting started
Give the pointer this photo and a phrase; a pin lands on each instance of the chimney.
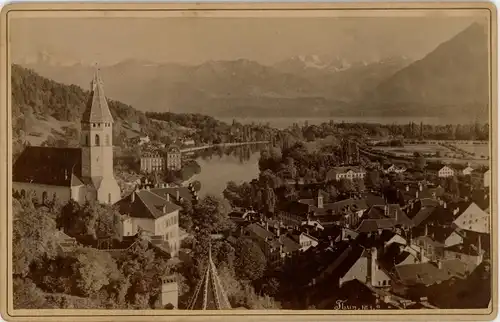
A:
(407, 188)
(440, 264)
(426, 230)
(177, 194)
(479, 250)
(320, 200)
(267, 226)
(420, 187)
(132, 196)
(167, 196)
(416, 194)
(373, 265)
(164, 209)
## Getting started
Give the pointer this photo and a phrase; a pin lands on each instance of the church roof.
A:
(48, 165)
(97, 109)
(209, 294)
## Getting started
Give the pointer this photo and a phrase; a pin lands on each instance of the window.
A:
(86, 140)
(97, 140)
(107, 139)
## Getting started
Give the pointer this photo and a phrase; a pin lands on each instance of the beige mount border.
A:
(226, 10)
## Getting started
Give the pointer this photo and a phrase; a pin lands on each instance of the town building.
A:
(392, 168)
(80, 174)
(439, 170)
(318, 213)
(173, 158)
(152, 162)
(483, 175)
(209, 293)
(276, 246)
(189, 142)
(463, 170)
(349, 173)
(472, 218)
(153, 211)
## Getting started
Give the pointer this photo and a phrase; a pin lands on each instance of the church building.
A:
(80, 174)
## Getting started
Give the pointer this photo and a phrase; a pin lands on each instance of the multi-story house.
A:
(150, 210)
(152, 162)
(439, 170)
(349, 173)
(173, 159)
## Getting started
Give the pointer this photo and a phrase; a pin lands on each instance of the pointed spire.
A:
(209, 293)
(97, 110)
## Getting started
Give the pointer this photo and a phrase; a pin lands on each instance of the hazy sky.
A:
(196, 39)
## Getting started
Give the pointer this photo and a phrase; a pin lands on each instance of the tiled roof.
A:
(429, 273)
(97, 109)
(260, 231)
(289, 245)
(48, 165)
(367, 226)
(355, 204)
(470, 249)
(146, 205)
(184, 193)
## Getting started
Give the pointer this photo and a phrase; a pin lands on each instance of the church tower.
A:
(97, 147)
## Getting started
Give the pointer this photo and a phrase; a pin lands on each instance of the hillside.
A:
(43, 109)
(451, 80)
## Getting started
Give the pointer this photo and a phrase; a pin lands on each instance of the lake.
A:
(219, 166)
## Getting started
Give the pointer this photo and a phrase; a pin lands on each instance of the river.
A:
(221, 165)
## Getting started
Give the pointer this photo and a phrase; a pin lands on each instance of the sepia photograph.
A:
(326, 160)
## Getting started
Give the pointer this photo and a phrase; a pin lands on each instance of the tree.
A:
(346, 186)
(211, 215)
(93, 270)
(26, 295)
(374, 179)
(250, 262)
(96, 220)
(420, 161)
(269, 201)
(360, 184)
(185, 215)
(33, 237)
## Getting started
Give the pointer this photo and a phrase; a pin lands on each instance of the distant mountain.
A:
(451, 80)
(310, 63)
(231, 88)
